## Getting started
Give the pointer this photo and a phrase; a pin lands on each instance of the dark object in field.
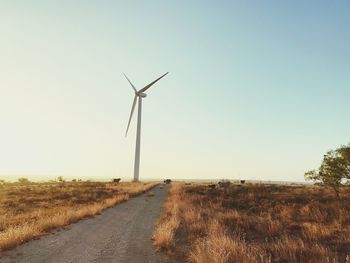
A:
(224, 183)
(167, 181)
(116, 180)
(242, 181)
(212, 186)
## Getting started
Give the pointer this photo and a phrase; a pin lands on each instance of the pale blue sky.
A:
(256, 90)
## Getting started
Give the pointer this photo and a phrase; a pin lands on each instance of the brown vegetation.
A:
(255, 223)
(169, 222)
(28, 210)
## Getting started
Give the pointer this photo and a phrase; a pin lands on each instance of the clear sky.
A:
(256, 90)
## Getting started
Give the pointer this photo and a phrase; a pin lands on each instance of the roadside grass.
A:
(169, 221)
(255, 223)
(32, 209)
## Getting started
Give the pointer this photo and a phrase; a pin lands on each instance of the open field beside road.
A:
(32, 209)
(255, 223)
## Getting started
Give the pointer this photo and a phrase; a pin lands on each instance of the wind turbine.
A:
(139, 95)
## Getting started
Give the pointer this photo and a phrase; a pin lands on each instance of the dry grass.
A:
(255, 223)
(31, 210)
(169, 221)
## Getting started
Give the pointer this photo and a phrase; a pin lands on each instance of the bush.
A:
(23, 180)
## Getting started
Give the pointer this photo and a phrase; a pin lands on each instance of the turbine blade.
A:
(149, 85)
(132, 85)
(131, 113)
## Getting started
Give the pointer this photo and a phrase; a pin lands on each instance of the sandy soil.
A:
(119, 234)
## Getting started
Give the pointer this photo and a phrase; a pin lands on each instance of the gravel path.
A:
(119, 234)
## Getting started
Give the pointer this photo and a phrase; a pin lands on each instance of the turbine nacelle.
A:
(142, 95)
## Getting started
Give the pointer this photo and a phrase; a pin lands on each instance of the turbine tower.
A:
(139, 95)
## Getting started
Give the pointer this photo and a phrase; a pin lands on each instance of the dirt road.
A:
(119, 234)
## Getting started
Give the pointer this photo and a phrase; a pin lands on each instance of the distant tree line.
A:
(26, 181)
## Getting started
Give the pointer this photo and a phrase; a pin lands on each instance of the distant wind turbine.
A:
(138, 95)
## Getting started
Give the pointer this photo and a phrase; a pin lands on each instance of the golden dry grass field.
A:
(255, 223)
(30, 210)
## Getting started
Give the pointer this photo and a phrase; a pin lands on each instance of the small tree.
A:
(23, 180)
(60, 179)
(334, 170)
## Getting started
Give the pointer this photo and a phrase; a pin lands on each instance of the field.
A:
(30, 210)
(255, 223)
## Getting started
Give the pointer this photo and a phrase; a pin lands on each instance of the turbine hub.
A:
(142, 95)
